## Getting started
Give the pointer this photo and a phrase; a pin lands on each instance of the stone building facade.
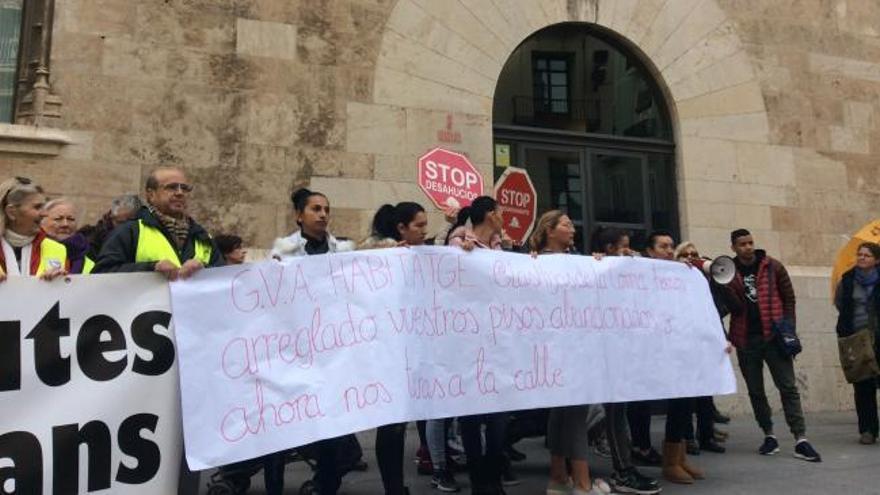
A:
(772, 105)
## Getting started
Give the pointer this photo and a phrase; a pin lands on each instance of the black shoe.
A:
(692, 447)
(770, 446)
(721, 418)
(712, 446)
(509, 479)
(803, 450)
(360, 465)
(445, 482)
(650, 458)
(515, 455)
(631, 481)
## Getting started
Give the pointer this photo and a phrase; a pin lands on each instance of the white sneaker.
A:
(600, 487)
(554, 488)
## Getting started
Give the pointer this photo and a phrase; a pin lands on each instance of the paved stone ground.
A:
(848, 468)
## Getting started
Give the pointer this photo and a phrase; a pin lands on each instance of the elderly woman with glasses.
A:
(26, 250)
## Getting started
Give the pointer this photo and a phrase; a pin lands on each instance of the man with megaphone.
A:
(761, 301)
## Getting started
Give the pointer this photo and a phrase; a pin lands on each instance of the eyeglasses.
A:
(177, 186)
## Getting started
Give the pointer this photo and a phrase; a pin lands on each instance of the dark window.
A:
(10, 40)
(550, 76)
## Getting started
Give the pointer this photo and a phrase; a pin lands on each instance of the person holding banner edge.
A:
(760, 295)
(26, 249)
(567, 427)
(162, 238)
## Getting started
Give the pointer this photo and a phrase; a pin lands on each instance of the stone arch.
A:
(440, 58)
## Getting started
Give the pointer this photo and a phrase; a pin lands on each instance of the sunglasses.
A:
(177, 186)
(24, 181)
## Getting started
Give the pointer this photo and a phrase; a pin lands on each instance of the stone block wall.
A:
(773, 102)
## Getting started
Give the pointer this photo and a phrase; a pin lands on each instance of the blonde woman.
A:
(26, 250)
(566, 426)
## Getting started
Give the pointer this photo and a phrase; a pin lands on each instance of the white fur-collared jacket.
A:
(295, 245)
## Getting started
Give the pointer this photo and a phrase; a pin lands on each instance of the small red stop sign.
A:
(518, 201)
(449, 178)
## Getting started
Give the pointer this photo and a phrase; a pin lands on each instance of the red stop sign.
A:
(518, 200)
(449, 178)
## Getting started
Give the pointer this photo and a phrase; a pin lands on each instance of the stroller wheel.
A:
(308, 488)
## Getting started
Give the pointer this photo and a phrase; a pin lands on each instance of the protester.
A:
(626, 478)
(402, 225)
(26, 250)
(759, 297)
(858, 302)
(122, 209)
(230, 248)
(59, 223)
(566, 426)
(480, 226)
(312, 216)
(162, 238)
(679, 411)
(708, 438)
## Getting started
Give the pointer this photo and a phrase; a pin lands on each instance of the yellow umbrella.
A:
(846, 257)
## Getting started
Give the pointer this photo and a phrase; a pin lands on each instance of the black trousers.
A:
(485, 465)
(390, 441)
(866, 404)
(679, 413)
(638, 414)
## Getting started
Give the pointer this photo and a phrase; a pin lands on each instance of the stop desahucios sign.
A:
(518, 201)
(449, 178)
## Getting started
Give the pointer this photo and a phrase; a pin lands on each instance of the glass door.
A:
(619, 195)
(558, 174)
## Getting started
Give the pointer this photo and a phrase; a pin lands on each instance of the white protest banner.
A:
(275, 355)
(88, 386)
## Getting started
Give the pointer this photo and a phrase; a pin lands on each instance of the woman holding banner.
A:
(26, 249)
(567, 427)
(480, 226)
(333, 456)
(626, 478)
(402, 225)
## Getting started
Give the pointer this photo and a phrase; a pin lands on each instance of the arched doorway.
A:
(580, 111)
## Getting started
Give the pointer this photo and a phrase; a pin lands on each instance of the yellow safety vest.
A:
(152, 245)
(88, 266)
(53, 254)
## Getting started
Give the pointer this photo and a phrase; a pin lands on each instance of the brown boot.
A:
(672, 469)
(695, 472)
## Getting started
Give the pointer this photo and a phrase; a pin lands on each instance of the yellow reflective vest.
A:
(52, 254)
(152, 246)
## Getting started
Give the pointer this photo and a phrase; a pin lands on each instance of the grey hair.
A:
(126, 202)
(681, 247)
(59, 201)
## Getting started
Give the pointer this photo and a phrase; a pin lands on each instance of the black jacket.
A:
(846, 304)
(118, 252)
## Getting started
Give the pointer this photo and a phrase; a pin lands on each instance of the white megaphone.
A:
(722, 269)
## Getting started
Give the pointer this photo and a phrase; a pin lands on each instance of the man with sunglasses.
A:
(162, 237)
